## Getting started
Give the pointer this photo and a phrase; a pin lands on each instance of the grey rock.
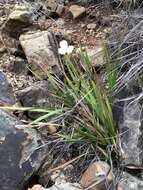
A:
(15, 65)
(65, 186)
(38, 95)
(128, 114)
(41, 53)
(96, 54)
(6, 92)
(60, 10)
(131, 130)
(53, 7)
(61, 186)
(128, 182)
(21, 156)
(20, 18)
(19, 65)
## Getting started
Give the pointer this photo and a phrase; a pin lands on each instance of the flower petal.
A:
(64, 44)
(61, 51)
(70, 49)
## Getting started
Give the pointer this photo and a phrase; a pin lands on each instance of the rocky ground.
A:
(29, 37)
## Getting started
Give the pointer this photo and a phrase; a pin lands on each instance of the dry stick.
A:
(65, 164)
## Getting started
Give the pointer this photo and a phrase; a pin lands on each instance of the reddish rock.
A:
(97, 177)
(77, 11)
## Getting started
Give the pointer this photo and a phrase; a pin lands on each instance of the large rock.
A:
(131, 134)
(98, 176)
(20, 155)
(128, 114)
(40, 50)
(6, 92)
(128, 182)
(20, 17)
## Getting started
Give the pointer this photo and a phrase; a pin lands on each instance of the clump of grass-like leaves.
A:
(87, 100)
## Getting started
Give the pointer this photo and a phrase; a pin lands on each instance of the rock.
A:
(15, 65)
(91, 26)
(60, 10)
(129, 121)
(21, 156)
(20, 18)
(60, 23)
(96, 54)
(38, 95)
(42, 55)
(65, 186)
(51, 129)
(54, 7)
(21, 13)
(131, 132)
(2, 47)
(62, 186)
(19, 65)
(77, 11)
(37, 187)
(98, 173)
(128, 182)
(6, 92)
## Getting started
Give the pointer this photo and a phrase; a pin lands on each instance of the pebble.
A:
(91, 26)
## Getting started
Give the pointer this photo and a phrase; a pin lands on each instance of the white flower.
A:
(65, 48)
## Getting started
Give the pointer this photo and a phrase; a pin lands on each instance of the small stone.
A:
(97, 171)
(60, 22)
(83, 25)
(37, 187)
(96, 54)
(91, 26)
(60, 9)
(52, 5)
(55, 7)
(77, 11)
(51, 129)
(19, 65)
